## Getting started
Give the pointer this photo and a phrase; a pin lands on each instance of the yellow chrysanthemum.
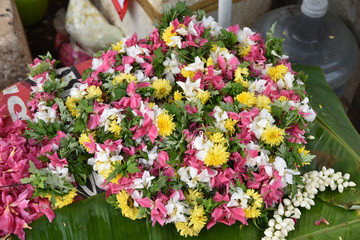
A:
(218, 138)
(243, 50)
(217, 155)
(116, 179)
(214, 47)
(151, 105)
(85, 138)
(273, 136)
(252, 212)
(262, 102)
(162, 88)
(195, 223)
(93, 92)
(62, 201)
(118, 46)
(257, 200)
(114, 127)
(178, 95)
(209, 62)
(119, 79)
(204, 96)
(283, 99)
(230, 125)
(191, 195)
(246, 98)
(126, 204)
(168, 33)
(278, 72)
(240, 73)
(305, 152)
(71, 104)
(165, 124)
(186, 74)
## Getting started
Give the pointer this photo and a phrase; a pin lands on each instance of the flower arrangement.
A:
(194, 125)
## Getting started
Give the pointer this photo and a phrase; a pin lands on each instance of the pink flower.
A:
(322, 220)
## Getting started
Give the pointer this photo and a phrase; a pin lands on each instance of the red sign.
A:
(121, 7)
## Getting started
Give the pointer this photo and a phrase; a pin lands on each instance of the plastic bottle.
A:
(314, 36)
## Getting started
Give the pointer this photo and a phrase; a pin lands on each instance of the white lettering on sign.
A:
(11, 90)
(15, 100)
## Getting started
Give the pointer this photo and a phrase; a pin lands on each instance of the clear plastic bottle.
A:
(314, 36)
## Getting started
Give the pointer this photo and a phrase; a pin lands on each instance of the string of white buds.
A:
(314, 181)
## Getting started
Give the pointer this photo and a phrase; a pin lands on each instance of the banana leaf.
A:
(337, 146)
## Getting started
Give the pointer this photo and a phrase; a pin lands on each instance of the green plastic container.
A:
(31, 11)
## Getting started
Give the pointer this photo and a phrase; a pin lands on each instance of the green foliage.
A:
(273, 45)
(41, 130)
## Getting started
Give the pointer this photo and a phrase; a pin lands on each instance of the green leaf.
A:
(338, 144)
(94, 218)
(342, 224)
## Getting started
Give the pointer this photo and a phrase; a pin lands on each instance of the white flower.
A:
(238, 199)
(198, 65)
(182, 31)
(79, 91)
(260, 122)
(190, 176)
(258, 86)
(45, 113)
(171, 67)
(191, 28)
(220, 118)
(175, 41)
(135, 51)
(140, 76)
(244, 36)
(143, 182)
(286, 82)
(190, 88)
(284, 172)
(210, 23)
(152, 155)
(260, 159)
(176, 209)
(203, 146)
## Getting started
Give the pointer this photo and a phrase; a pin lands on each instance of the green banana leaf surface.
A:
(337, 145)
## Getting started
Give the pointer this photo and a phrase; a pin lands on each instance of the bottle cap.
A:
(314, 8)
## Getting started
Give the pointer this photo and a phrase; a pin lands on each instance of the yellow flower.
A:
(204, 96)
(62, 201)
(126, 204)
(151, 105)
(218, 138)
(273, 136)
(214, 47)
(278, 72)
(217, 155)
(168, 33)
(239, 73)
(186, 74)
(178, 96)
(283, 99)
(165, 124)
(209, 62)
(305, 152)
(256, 198)
(195, 223)
(262, 102)
(162, 88)
(246, 98)
(71, 106)
(243, 50)
(85, 138)
(94, 92)
(230, 125)
(115, 128)
(118, 46)
(123, 76)
(252, 212)
(115, 179)
(192, 195)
